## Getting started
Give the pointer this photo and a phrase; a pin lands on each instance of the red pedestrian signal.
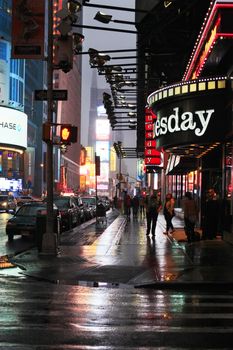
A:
(68, 134)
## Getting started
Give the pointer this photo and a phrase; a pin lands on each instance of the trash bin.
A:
(41, 228)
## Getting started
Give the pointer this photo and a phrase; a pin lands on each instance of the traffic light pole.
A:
(49, 242)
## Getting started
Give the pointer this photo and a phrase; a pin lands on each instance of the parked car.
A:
(69, 211)
(24, 199)
(90, 203)
(81, 209)
(24, 220)
(8, 203)
(88, 211)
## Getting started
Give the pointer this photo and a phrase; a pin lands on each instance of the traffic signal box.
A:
(68, 134)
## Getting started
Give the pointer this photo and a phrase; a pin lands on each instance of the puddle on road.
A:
(95, 284)
(12, 272)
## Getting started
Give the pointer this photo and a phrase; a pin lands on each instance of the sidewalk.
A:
(124, 255)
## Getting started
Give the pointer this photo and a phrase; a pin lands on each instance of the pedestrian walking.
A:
(168, 212)
(135, 205)
(190, 216)
(153, 206)
(115, 200)
(212, 215)
(127, 205)
(142, 205)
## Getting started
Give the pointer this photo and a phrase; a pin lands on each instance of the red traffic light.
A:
(68, 133)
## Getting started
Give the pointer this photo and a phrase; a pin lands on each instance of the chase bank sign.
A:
(13, 128)
(193, 112)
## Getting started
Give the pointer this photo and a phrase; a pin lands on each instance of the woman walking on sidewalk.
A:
(168, 212)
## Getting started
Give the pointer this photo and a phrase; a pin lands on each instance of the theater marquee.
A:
(198, 111)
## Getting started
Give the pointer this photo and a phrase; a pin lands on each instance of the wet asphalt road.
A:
(36, 314)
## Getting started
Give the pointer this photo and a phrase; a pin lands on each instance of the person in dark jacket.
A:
(212, 215)
(190, 216)
(135, 205)
(153, 206)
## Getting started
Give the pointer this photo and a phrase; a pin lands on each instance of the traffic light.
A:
(67, 44)
(63, 53)
(68, 134)
(68, 16)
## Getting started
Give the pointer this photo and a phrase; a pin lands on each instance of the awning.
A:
(178, 165)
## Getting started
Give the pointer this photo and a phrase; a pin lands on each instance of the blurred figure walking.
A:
(142, 205)
(169, 213)
(190, 216)
(135, 205)
(153, 207)
(127, 205)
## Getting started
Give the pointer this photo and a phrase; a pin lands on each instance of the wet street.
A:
(113, 289)
(38, 315)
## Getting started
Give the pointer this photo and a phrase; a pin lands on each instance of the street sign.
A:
(58, 95)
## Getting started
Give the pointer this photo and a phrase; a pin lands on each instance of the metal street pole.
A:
(49, 242)
(119, 175)
(96, 173)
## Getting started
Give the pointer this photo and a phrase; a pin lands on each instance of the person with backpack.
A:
(153, 206)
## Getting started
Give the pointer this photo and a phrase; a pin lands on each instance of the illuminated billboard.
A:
(13, 127)
(102, 150)
(102, 129)
(104, 173)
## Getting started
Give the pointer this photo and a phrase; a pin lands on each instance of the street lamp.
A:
(128, 9)
(104, 18)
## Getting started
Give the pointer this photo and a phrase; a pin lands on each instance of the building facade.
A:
(190, 87)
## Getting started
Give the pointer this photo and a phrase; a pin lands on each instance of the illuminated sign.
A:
(217, 26)
(102, 129)
(149, 126)
(152, 152)
(150, 143)
(197, 121)
(102, 149)
(149, 135)
(13, 127)
(104, 173)
(199, 117)
(152, 156)
(4, 72)
(152, 161)
(113, 159)
(207, 49)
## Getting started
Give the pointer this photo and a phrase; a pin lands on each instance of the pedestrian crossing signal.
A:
(68, 134)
